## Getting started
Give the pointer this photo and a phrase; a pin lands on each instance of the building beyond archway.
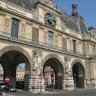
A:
(10, 60)
(57, 72)
(78, 75)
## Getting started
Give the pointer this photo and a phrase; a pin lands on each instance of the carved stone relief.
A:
(86, 36)
(23, 29)
(93, 61)
(52, 5)
(37, 58)
(68, 68)
(6, 24)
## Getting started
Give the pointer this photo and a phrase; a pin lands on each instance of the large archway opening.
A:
(78, 75)
(53, 73)
(10, 60)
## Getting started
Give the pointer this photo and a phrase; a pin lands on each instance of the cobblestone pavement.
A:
(79, 92)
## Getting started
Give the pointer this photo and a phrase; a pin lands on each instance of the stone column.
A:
(87, 74)
(26, 77)
(68, 76)
(37, 81)
(92, 72)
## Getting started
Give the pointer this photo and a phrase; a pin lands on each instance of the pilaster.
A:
(36, 81)
(93, 73)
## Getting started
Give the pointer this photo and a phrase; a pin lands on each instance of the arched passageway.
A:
(10, 60)
(53, 69)
(78, 75)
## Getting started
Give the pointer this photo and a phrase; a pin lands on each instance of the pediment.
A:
(51, 4)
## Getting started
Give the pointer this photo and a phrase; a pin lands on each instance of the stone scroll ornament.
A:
(37, 58)
(6, 23)
(68, 68)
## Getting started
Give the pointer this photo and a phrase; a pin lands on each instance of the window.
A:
(74, 46)
(93, 49)
(50, 39)
(15, 28)
(35, 34)
(64, 43)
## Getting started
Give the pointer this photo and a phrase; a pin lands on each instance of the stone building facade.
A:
(39, 34)
(20, 72)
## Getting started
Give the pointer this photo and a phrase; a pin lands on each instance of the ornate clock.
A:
(50, 20)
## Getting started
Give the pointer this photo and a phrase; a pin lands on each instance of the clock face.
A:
(50, 20)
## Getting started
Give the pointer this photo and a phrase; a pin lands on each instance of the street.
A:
(78, 92)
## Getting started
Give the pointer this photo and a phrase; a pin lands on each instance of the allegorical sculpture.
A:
(68, 69)
(37, 58)
(68, 77)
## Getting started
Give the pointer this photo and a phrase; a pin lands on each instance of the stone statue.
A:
(37, 58)
(68, 68)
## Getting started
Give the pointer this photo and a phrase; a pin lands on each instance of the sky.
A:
(86, 9)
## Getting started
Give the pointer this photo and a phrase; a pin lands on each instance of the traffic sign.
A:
(53, 78)
(7, 79)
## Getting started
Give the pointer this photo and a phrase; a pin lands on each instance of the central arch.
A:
(54, 62)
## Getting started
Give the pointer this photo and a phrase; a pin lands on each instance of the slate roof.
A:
(69, 22)
(28, 4)
(74, 22)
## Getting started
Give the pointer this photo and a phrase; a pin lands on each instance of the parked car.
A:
(3, 94)
(2, 85)
(10, 88)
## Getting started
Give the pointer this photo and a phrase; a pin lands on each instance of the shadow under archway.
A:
(57, 68)
(78, 75)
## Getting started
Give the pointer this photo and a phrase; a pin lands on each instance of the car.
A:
(2, 85)
(10, 88)
(3, 94)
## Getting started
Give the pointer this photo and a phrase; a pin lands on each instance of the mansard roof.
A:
(75, 21)
(28, 4)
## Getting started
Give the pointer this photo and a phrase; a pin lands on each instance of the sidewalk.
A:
(59, 91)
(55, 91)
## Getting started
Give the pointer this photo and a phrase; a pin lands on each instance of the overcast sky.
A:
(86, 9)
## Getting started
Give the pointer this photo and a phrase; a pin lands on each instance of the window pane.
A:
(15, 27)
(74, 46)
(50, 39)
